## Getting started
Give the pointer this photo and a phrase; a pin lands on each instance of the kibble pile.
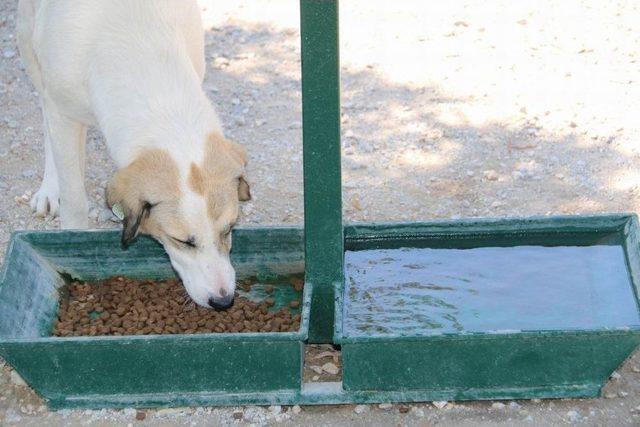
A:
(121, 306)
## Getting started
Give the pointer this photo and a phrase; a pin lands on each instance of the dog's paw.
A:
(46, 201)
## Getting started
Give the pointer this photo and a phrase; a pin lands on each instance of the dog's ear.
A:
(235, 161)
(244, 192)
(240, 153)
(125, 197)
(151, 178)
(131, 223)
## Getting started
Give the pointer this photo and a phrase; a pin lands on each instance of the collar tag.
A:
(118, 211)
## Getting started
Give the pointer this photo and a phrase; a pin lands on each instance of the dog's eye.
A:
(190, 242)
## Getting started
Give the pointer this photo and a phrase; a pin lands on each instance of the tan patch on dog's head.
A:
(196, 179)
(221, 177)
(223, 157)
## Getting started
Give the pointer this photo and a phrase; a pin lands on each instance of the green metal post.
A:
(321, 151)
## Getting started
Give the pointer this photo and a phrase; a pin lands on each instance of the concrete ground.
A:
(450, 109)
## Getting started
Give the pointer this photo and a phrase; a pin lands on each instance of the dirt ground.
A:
(450, 109)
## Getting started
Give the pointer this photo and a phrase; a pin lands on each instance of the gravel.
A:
(106, 215)
(17, 379)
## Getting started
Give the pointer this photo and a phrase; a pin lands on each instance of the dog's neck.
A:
(178, 117)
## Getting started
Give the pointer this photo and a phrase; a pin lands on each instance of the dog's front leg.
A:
(47, 199)
(68, 139)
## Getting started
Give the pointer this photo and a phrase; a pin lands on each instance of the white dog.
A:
(134, 68)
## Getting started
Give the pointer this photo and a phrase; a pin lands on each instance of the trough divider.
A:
(321, 156)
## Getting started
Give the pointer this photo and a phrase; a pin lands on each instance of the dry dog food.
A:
(121, 306)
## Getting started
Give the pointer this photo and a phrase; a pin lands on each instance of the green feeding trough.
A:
(467, 309)
(144, 370)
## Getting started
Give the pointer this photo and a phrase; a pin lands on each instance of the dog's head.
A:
(190, 207)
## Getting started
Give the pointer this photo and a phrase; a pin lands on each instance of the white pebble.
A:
(498, 405)
(361, 409)
(385, 406)
(316, 369)
(434, 134)
(28, 173)
(129, 412)
(296, 409)
(330, 368)
(64, 413)
(282, 417)
(275, 409)
(490, 175)
(8, 53)
(574, 416)
(11, 416)
(440, 403)
(169, 412)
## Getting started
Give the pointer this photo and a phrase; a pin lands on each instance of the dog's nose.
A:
(221, 303)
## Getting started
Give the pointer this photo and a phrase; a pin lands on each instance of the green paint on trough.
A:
(321, 153)
(266, 368)
(565, 353)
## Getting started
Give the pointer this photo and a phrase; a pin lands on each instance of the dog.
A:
(134, 69)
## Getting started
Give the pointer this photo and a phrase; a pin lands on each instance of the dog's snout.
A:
(221, 303)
